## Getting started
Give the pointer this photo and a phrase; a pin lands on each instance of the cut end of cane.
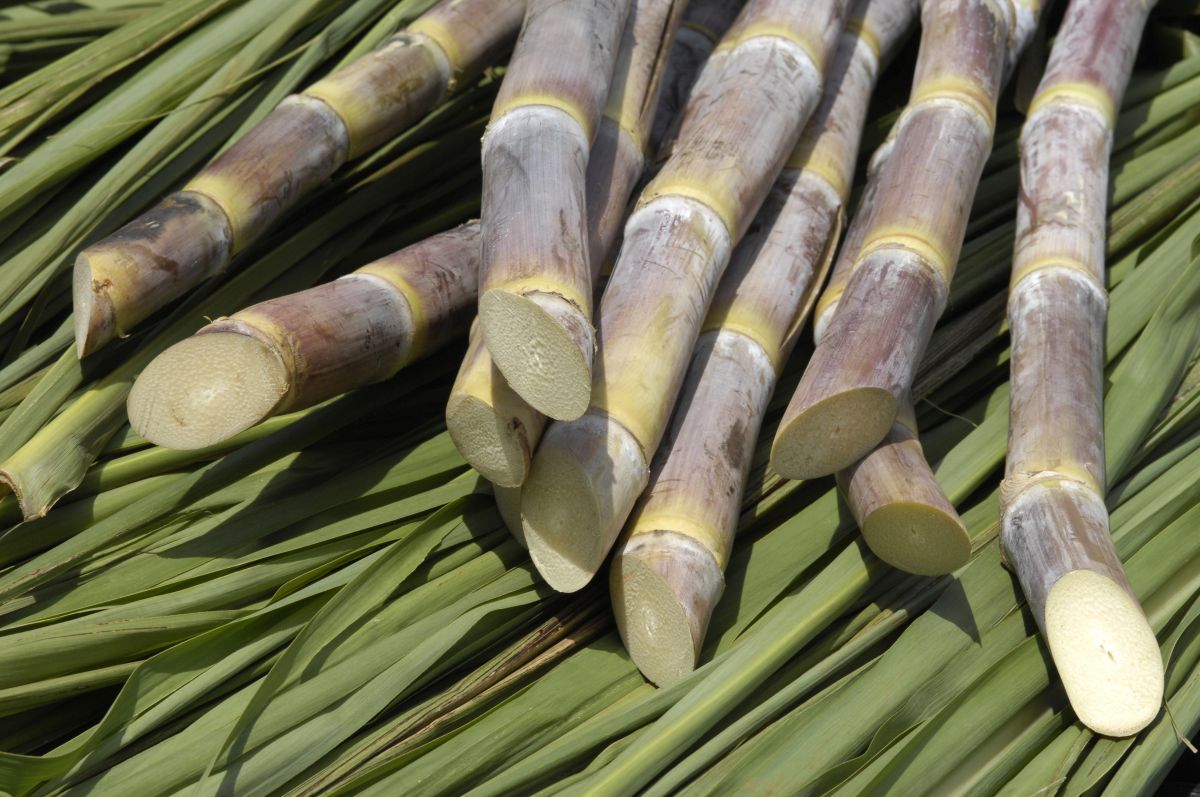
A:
(206, 389)
(918, 538)
(95, 317)
(543, 344)
(508, 504)
(1105, 653)
(496, 446)
(664, 586)
(582, 486)
(833, 434)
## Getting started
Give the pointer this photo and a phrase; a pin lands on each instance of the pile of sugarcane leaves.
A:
(328, 603)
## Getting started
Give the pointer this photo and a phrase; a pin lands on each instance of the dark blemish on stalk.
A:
(732, 446)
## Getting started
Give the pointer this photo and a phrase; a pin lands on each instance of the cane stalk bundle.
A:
(494, 429)
(194, 233)
(535, 290)
(742, 122)
(1055, 525)
(290, 353)
(850, 394)
(668, 572)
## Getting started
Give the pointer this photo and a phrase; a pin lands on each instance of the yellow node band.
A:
(534, 98)
(707, 33)
(628, 122)
(634, 410)
(1021, 270)
(696, 528)
(957, 90)
(858, 28)
(416, 306)
(740, 319)
(1062, 473)
(823, 161)
(523, 286)
(683, 187)
(831, 296)
(225, 195)
(933, 257)
(1089, 95)
(814, 50)
(440, 34)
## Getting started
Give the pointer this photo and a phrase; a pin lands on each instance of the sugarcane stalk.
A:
(704, 23)
(292, 352)
(741, 124)
(535, 289)
(194, 233)
(668, 572)
(849, 396)
(901, 510)
(1054, 521)
(494, 429)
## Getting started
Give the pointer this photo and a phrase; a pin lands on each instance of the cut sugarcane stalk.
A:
(194, 233)
(904, 515)
(668, 572)
(741, 124)
(295, 351)
(849, 397)
(494, 429)
(535, 289)
(704, 23)
(1054, 522)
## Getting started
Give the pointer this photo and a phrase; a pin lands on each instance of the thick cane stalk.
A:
(741, 124)
(194, 233)
(295, 351)
(494, 429)
(704, 23)
(535, 290)
(668, 572)
(850, 394)
(1054, 522)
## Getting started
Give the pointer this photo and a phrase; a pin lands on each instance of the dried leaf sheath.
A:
(668, 572)
(535, 290)
(742, 122)
(192, 234)
(494, 429)
(848, 398)
(295, 351)
(1054, 522)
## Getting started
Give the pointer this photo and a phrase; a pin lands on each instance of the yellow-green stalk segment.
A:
(1054, 522)
(494, 429)
(194, 233)
(668, 572)
(741, 124)
(849, 396)
(292, 352)
(535, 289)
(704, 23)
(904, 515)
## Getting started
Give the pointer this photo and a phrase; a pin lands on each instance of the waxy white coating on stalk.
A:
(194, 233)
(668, 572)
(742, 122)
(289, 353)
(494, 429)
(1054, 522)
(850, 394)
(535, 292)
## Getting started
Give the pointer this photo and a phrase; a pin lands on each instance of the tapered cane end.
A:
(918, 538)
(496, 446)
(1105, 653)
(585, 478)
(832, 434)
(543, 344)
(206, 389)
(664, 586)
(95, 318)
